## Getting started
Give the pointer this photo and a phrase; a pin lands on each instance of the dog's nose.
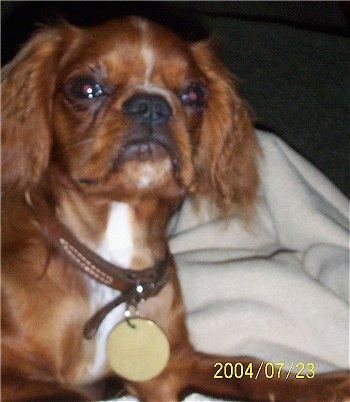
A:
(148, 109)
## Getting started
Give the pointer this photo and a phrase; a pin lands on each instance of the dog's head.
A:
(126, 108)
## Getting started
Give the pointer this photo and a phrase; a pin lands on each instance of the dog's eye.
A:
(193, 95)
(86, 88)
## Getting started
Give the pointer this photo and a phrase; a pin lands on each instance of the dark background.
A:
(292, 58)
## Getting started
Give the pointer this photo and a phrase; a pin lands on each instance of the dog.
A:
(105, 131)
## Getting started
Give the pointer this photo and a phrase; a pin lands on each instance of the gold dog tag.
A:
(138, 349)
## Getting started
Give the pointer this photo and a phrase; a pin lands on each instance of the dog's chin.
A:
(148, 174)
(142, 168)
(148, 165)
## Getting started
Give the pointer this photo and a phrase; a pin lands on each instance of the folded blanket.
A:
(277, 288)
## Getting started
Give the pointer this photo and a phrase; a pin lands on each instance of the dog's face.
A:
(127, 108)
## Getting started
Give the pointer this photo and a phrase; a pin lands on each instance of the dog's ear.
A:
(226, 160)
(27, 87)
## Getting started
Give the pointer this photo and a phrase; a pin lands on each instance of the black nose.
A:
(148, 108)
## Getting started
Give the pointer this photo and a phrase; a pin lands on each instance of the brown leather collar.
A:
(134, 285)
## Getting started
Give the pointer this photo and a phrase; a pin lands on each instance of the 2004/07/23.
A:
(267, 369)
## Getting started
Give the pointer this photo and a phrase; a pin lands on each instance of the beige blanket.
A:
(279, 288)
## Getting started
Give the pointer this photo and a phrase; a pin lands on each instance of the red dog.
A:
(105, 131)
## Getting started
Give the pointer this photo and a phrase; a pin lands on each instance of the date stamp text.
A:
(279, 370)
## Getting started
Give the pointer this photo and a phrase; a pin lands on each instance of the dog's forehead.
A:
(137, 31)
(135, 45)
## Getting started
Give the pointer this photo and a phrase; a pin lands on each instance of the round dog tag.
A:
(138, 349)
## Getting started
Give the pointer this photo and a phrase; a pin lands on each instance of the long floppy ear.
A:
(27, 88)
(226, 162)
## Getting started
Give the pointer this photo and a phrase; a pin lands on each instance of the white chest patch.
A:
(117, 244)
(117, 247)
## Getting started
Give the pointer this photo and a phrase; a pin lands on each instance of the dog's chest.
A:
(117, 242)
(117, 247)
